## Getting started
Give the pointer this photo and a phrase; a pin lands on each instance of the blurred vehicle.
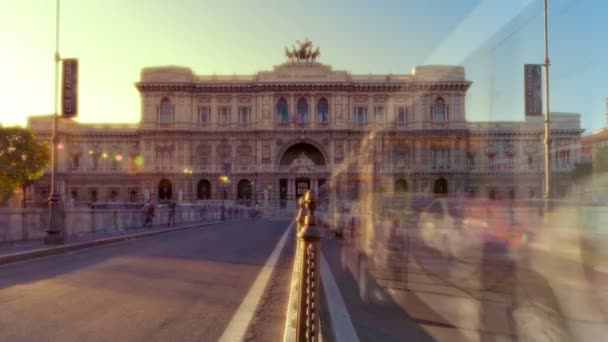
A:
(376, 247)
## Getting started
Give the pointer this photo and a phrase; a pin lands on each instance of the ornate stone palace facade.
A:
(304, 125)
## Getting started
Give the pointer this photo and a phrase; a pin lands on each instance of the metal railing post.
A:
(309, 238)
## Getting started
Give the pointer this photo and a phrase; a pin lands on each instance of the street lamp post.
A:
(225, 179)
(55, 234)
(547, 195)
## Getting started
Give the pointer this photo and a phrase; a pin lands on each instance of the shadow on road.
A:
(154, 258)
(380, 317)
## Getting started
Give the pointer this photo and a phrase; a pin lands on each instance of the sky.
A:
(115, 39)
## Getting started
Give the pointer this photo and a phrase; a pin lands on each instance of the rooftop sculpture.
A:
(304, 52)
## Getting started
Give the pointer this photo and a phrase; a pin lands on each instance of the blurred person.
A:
(148, 210)
(172, 208)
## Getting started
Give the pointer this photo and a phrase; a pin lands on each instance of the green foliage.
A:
(581, 172)
(600, 163)
(22, 160)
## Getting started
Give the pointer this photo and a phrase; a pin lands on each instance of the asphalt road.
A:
(182, 286)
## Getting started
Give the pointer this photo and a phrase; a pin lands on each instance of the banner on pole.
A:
(533, 91)
(69, 88)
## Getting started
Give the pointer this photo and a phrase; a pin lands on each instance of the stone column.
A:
(292, 108)
(290, 192)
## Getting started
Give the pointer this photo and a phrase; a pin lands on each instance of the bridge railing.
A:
(303, 310)
(32, 223)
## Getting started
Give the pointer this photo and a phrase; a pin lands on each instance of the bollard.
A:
(309, 238)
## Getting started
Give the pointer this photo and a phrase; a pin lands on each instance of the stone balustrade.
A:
(32, 223)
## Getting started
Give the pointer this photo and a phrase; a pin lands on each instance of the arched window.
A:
(164, 190)
(323, 110)
(441, 186)
(203, 189)
(282, 110)
(133, 196)
(244, 190)
(401, 185)
(302, 110)
(166, 111)
(492, 194)
(439, 110)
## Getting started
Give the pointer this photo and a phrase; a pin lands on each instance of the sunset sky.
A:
(114, 39)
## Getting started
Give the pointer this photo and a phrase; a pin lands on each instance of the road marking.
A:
(338, 314)
(236, 329)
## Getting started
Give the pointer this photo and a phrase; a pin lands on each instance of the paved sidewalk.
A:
(27, 249)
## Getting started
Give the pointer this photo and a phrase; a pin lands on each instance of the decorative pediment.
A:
(359, 98)
(244, 99)
(440, 144)
(401, 99)
(224, 99)
(303, 165)
(530, 147)
(203, 99)
(380, 98)
(165, 148)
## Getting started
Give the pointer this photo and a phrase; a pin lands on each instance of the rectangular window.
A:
(75, 161)
(203, 116)
(491, 160)
(563, 158)
(379, 114)
(440, 157)
(204, 160)
(510, 161)
(224, 115)
(95, 161)
(401, 158)
(283, 114)
(133, 196)
(401, 115)
(361, 115)
(244, 115)
(163, 159)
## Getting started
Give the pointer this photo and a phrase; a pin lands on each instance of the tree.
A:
(581, 172)
(22, 160)
(600, 161)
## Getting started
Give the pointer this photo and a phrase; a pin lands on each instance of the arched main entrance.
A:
(203, 189)
(401, 185)
(244, 190)
(165, 190)
(303, 167)
(440, 187)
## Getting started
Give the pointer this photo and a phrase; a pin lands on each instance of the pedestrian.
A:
(144, 212)
(172, 207)
(149, 213)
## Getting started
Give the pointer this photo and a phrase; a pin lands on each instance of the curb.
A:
(42, 252)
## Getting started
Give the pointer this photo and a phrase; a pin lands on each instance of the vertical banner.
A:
(69, 88)
(533, 94)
